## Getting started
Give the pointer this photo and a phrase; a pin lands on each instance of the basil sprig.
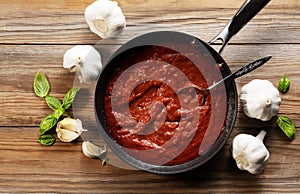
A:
(41, 88)
(287, 126)
(284, 84)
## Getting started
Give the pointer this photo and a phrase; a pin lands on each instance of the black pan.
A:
(215, 71)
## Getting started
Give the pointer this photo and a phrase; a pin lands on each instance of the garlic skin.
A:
(85, 60)
(105, 18)
(69, 129)
(250, 152)
(260, 99)
(93, 151)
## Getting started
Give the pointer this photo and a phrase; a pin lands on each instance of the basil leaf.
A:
(58, 112)
(53, 102)
(41, 85)
(287, 126)
(69, 97)
(47, 123)
(284, 84)
(47, 139)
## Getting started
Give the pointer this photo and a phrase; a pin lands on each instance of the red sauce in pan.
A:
(152, 117)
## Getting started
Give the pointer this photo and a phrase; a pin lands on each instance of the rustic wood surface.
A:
(34, 34)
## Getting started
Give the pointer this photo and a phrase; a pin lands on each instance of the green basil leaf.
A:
(58, 112)
(284, 84)
(53, 102)
(41, 85)
(69, 97)
(47, 139)
(47, 123)
(287, 126)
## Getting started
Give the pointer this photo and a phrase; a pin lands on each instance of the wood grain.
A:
(34, 36)
(26, 165)
(37, 22)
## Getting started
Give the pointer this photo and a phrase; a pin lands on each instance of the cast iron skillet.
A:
(248, 10)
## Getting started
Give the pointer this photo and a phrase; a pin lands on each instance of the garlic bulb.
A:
(250, 152)
(105, 18)
(69, 129)
(260, 99)
(85, 60)
(93, 151)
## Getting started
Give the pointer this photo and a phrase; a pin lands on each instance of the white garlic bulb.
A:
(85, 60)
(250, 153)
(260, 99)
(69, 129)
(105, 18)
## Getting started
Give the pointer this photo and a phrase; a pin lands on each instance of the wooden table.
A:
(34, 35)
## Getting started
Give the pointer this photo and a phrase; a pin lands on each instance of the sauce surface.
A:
(150, 114)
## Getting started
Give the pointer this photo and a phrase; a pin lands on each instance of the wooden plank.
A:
(48, 59)
(38, 22)
(41, 170)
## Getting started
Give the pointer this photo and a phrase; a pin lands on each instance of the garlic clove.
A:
(69, 129)
(66, 135)
(93, 151)
(105, 18)
(84, 60)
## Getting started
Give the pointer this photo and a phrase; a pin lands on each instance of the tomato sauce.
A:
(152, 113)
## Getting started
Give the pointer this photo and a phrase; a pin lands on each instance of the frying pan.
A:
(173, 40)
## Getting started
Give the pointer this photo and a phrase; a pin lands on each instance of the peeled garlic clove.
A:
(69, 129)
(85, 60)
(93, 151)
(105, 18)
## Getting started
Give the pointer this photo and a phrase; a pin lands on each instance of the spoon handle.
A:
(244, 70)
(250, 67)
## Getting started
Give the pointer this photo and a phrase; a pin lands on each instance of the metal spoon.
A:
(238, 73)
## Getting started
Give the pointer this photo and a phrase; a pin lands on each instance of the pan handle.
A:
(248, 10)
